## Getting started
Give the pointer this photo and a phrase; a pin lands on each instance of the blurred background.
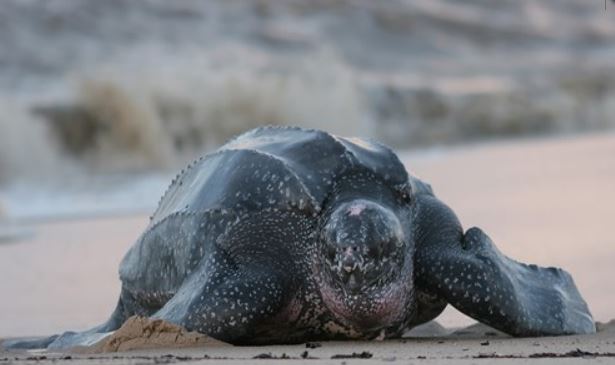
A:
(93, 93)
(101, 102)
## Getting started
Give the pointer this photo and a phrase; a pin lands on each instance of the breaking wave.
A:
(149, 118)
(26, 149)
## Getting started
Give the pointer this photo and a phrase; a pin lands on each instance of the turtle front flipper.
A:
(476, 278)
(229, 307)
(247, 279)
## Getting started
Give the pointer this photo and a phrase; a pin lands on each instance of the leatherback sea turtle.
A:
(286, 235)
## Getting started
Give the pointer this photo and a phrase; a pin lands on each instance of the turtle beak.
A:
(351, 274)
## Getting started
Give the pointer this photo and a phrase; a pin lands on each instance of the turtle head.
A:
(363, 244)
(365, 262)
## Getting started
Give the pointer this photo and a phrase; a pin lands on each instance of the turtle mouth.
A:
(367, 297)
(358, 276)
(353, 278)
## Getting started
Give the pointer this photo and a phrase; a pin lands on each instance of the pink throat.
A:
(367, 310)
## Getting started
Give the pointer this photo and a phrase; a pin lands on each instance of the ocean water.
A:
(102, 101)
(29, 202)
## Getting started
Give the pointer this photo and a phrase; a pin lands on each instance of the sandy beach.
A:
(472, 347)
(544, 201)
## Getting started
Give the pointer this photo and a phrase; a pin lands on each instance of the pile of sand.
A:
(139, 333)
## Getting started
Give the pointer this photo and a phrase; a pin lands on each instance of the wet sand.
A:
(549, 202)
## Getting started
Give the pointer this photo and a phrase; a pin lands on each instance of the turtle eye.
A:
(404, 191)
(388, 247)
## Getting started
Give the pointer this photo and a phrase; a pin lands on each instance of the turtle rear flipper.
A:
(28, 343)
(65, 340)
(476, 278)
(70, 339)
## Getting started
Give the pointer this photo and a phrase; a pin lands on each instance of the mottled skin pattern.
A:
(287, 235)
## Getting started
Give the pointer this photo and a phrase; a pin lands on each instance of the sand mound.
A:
(139, 333)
